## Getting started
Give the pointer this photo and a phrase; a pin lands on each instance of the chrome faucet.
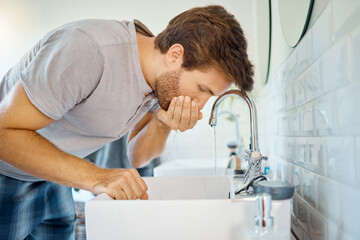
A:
(254, 156)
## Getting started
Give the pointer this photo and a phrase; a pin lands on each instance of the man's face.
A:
(199, 85)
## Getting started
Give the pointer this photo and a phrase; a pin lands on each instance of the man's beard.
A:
(167, 87)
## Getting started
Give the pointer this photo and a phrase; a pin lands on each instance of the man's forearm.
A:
(149, 143)
(31, 153)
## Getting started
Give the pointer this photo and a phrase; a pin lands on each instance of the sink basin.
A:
(190, 167)
(183, 208)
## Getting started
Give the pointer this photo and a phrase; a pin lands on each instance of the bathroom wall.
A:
(309, 119)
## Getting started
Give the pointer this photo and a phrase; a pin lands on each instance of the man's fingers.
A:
(138, 184)
(127, 186)
(177, 112)
(144, 197)
(186, 114)
(120, 195)
(171, 108)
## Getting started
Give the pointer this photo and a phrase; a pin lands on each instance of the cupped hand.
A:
(182, 114)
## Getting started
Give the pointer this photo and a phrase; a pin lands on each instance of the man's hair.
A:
(211, 37)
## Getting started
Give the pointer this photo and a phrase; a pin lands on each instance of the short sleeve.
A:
(65, 70)
(154, 108)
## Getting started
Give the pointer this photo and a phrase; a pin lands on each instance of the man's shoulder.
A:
(103, 31)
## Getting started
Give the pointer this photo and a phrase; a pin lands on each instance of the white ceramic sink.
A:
(191, 167)
(183, 208)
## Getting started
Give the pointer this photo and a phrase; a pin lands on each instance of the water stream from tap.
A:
(215, 154)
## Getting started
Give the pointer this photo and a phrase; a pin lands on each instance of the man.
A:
(87, 83)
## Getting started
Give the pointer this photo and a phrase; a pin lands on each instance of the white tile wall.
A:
(344, 14)
(310, 185)
(317, 118)
(335, 65)
(297, 178)
(313, 81)
(316, 162)
(355, 41)
(339, 152)
(357, 161)
(302, 151)
(304, 52)
(348, 114)
(322, 32)
(299, 91)
(303, 215)
(325, 115)
(349, 215)
(329, 206)
(307, 119)
(317, 226)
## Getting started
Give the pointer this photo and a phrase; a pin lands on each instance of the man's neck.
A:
(148, 58)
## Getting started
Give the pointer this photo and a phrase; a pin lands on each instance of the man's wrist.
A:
(161, 124)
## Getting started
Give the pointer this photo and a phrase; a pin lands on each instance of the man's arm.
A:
(148, 138)
(23, 148)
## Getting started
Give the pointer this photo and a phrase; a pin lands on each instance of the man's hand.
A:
(181, 115)
(121, 184)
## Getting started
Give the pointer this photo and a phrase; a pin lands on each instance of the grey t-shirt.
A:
(86, 75)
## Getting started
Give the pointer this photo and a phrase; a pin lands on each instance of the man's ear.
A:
(175, 56)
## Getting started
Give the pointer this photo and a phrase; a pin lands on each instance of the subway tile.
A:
(278, 124)
(357, 161)
(280, 146)
(284, 74)
(278, 171)
(299, 91)
(295, 226)
(322, 32)
(317, 226)
(292, 65)
(293, 118)
(286, 176)
(339, 152)
(350, 211)
(348, 114)
(329, 198)
(301, 151)
(306, 119)
(316, 161)
(333, 231)
(355, 44)
(304, 52)
(325, 115)
(310, 188)
(343, 15)
(303, 215)
(284, 125)
(336, 65)
(290, 149)
(313, 81)
(297, 178)
(336, 233)
(289, 96)
(279, 102)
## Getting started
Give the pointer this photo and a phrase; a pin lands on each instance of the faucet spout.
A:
(254, 145)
